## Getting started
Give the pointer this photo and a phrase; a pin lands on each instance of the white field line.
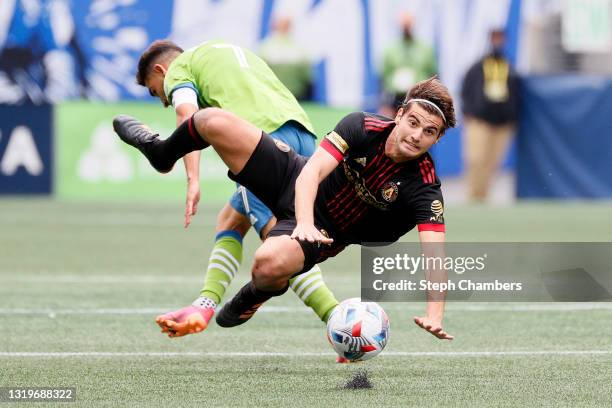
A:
(469, 354)
(130, 219)
(128, 311)
(544, 307)
(102, 278)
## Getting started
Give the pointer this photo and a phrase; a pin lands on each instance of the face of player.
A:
(155, 83)
(415, 132)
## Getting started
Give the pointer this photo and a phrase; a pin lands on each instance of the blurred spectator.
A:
(490, 108)
(35, 61)
(289, 61)
(405, 63)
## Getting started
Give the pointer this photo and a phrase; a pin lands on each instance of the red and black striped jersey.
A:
(369, 197)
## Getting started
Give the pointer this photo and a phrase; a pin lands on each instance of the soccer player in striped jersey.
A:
(370, 180)
(217, 74)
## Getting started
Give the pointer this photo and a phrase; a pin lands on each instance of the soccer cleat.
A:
(342, 360)
(235, 312)
(137, 134)
(188, 320)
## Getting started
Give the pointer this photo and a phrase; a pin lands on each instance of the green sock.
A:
(223, 264)
(311, 289)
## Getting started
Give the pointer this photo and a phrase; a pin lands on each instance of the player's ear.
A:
(159, 68)
(399, 115)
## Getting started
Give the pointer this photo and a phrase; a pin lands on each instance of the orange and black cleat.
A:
(188, 320)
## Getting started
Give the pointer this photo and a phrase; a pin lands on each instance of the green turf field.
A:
(81, 283)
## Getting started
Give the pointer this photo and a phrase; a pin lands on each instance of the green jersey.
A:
(232, 78)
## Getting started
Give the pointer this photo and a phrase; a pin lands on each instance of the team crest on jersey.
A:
(438, 211)
(282, 146)
(389, 192)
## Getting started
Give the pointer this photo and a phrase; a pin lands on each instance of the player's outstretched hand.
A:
(188, 320)
(191, 203)
(308, 232)
(432, 326)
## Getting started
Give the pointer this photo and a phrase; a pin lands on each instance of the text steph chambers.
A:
(464, 284)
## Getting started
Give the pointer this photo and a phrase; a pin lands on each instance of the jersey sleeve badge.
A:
(438, 211)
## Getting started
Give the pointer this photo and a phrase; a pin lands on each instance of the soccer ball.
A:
(358, 330)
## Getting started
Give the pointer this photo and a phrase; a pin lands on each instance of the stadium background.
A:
(92, 244)
(59, 52)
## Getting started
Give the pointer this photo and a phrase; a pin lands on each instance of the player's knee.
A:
(211, 121)
(276, 260)
(268, 265)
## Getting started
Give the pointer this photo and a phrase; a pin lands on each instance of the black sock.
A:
(250, 296)
(185, 139)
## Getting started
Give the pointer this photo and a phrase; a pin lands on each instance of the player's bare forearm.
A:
(435, 310)
(191, 160)
(432, 245)
(306, 187)
(192, 166)
(192, 169)
(316, 169)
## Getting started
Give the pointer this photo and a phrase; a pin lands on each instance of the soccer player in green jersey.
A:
(217, 74)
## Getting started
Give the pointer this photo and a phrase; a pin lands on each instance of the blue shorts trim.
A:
(229, 233)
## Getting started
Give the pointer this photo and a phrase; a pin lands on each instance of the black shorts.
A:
(270, 174)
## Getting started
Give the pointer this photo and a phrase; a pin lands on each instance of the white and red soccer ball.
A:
(357, 330)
